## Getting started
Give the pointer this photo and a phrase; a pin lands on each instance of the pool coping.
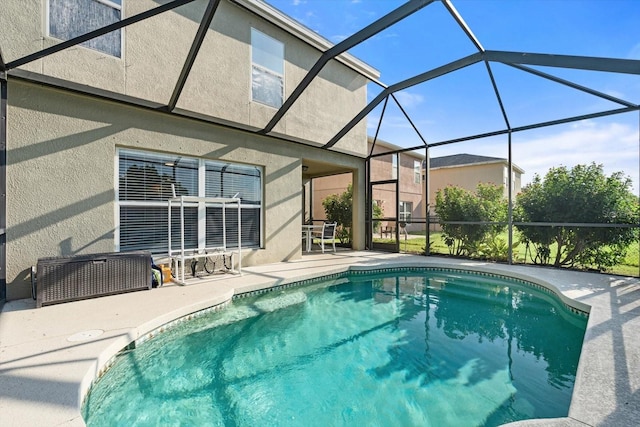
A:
(44, 376)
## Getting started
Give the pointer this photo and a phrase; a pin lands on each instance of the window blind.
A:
(147, 180)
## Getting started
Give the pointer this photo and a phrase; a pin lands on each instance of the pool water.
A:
(410, 348)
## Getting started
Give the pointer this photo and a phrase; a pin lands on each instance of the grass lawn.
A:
(629, 267)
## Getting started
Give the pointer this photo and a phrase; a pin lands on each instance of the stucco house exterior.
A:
(405, 167)
(469, 170)
(460, 170)
(96, 133)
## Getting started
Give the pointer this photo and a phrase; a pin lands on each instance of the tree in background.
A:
(583, 194)
(339, 208)
(377, 213)
(487, 204)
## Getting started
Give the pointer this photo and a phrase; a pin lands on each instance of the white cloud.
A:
(408, 99)
(389, 122)
(338, 37)
(635, 52)
(395, 122)
(614, 145)
(615, 93)
(382, 36)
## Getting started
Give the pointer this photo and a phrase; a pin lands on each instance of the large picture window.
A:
(147, 180)
(267, 69)
(72, 18)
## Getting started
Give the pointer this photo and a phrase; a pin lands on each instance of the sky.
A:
(463, 103)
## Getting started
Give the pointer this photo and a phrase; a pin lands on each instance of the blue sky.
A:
(462, 103)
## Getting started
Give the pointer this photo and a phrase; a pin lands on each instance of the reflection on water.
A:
(410, 348)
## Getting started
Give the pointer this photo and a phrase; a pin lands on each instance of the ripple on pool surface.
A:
(404, 349)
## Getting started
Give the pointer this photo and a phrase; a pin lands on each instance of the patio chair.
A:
(328, 235)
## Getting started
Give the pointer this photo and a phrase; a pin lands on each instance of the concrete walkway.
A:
(50, 356)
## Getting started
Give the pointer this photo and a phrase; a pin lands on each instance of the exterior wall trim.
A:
(494, 162)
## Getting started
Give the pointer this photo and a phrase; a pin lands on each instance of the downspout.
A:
(3, 182)
(510, 205)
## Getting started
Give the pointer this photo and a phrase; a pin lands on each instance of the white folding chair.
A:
(328, 235)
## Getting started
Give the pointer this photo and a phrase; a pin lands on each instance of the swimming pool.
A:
(407, 347)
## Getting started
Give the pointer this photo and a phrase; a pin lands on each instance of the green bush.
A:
(583, 194)
(339, 208)
(487, 204)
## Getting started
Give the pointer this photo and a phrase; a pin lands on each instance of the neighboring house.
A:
(468, 170)
(97, 133)
(461, 170)
(406, 167)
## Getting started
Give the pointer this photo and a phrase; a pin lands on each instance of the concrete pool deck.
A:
(49, 356)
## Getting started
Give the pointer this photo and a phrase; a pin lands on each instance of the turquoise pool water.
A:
(410, 348)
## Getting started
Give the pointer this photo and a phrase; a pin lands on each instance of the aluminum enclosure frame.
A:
(3, 181)
(518, 60)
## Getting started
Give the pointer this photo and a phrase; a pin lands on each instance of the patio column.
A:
(358, 209)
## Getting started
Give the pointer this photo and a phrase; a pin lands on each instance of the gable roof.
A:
(466, 160)
(391, 148)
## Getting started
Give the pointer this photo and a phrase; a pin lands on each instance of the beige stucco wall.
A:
(21, 24)
(61, 174)
(410, 191)
(325, 186)
(469, 176)
(219, 84)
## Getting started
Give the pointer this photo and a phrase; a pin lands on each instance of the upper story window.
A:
(72, 18)
(267, 69)
(417, 171)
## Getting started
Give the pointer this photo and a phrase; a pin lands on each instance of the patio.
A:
(49, 356)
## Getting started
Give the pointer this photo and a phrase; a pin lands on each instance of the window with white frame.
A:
(72, 18)
(147, 180)
(267, 69)
(417, 171)
(405, 211)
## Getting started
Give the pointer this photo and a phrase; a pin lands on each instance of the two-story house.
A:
(409, 169)
(183, 95)
(468, 170)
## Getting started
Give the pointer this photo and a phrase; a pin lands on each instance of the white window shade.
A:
(150, 176)
(228, 180)
(146, 182)
(267, 69)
